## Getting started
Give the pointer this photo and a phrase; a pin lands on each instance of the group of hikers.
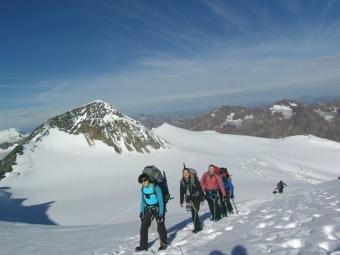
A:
(215, 186)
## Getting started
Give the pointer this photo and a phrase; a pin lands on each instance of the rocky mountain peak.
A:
(98, 120)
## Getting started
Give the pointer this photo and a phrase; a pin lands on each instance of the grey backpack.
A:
(158, 178)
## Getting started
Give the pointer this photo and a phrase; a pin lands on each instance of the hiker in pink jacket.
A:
(211, 184)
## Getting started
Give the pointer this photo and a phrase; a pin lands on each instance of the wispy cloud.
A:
(230, 14)
(161, 56)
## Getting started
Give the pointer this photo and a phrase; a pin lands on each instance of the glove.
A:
(141, 216)
(160, 219)
(225, 198)
(232, 196)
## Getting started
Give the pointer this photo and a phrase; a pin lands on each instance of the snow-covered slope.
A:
(303, 222)
(69, 183)
(92, 185)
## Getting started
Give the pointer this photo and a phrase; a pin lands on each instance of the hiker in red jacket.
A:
(211, 184)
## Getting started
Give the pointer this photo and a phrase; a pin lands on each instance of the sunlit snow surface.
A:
(93, 186)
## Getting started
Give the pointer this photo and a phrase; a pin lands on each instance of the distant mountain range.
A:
(280, 119)
(10, 138)
(96, 122)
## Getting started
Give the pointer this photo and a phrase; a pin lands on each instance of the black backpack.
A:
(192, 171)
(159, 179)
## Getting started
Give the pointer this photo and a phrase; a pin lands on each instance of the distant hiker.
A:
(211, 184)
(229, 188)
(191, 191)
(280, 186)
(152, 206)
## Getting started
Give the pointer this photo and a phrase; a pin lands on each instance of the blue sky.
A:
(156, 56)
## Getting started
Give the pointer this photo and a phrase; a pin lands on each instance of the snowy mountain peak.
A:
(283, 109)
(10, 135)
(98, 120)
(101, 104)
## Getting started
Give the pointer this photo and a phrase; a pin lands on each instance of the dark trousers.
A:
(224, 209)
(214, 207)
(229, 206)
(194, 214)
(149, 215)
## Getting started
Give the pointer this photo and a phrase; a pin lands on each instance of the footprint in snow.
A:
(208, 231)
(269, 216)
(214, 235)
(293, 243)
(181, 243)
(229, 228)
(261, 225)
(328, 246)
(288, 226)
(271, 238)
(328, 230)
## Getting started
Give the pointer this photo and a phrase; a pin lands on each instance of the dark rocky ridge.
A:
(281, 119)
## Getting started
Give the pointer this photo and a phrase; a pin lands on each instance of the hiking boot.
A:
(196, 230)
(217, 219)
(162, 247)
(138, 248)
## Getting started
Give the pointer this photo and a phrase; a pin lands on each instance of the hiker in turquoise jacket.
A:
(151, 206)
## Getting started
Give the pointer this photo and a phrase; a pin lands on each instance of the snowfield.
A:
(92, 194)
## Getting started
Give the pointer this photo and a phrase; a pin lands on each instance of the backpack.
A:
(159, 179)
(224, 171)
(193, 179)
(193, 172)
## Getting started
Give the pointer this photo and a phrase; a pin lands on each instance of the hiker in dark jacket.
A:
(212, 184)
(152, 206)
(229, 188)
(280, 186)
(220, 171)
(191, 191)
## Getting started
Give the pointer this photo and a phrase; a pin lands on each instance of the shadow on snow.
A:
(237, 250)
(172, 231)
(13, 210)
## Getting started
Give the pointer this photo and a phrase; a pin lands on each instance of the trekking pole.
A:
(234, 205)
